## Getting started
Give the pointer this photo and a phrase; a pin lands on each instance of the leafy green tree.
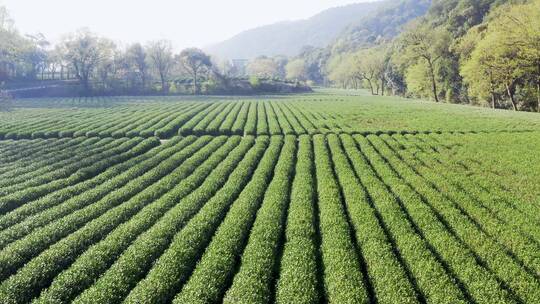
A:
(520, 27)
(506, 54)
(370, 67)
(263, 67)
(418, 78)
(296, 69)
(315, 60)
(340, 71)
(110, 63)
(480, 76)
(428, 46)
(459, 16)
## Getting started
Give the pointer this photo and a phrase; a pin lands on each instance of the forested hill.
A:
(288, 38)
(482, 52)
(384, 24)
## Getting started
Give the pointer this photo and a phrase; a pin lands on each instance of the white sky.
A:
(186, 22)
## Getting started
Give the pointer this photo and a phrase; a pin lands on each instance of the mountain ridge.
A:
(269, 40)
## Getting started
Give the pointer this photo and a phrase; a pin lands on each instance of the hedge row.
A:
(343, 279)
(93, 166)
(241, 118)
(495, 258)
(214, 270)
(136, 261)
(257, 274)
(57, 150)
(174, 267)
(39, 272)
(273, 124)
(387, 275)
(17, 253)
(32, 215)
(61, 165)
(227, 127)
(93, 262)
(298, 282)
(289, 116)
(188, 127)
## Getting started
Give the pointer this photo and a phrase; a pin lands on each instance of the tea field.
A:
(316, 198)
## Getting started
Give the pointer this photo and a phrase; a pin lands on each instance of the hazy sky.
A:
(186, 23)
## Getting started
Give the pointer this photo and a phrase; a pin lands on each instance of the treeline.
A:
(460, 51)
(484, 52)
(99, 64)
(83, 63)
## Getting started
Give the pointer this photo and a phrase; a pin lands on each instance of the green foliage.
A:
(354, 198)
(296, 70)
(265, 67)
(384, 25)
(195, 62)
(343, 280)
(460, 51)
(187, 247)
(253, 281)
(418, 80)
(506, 57)
(254, 81)
(340, 69)
(298, 282)
(172, 88)
(101, 255)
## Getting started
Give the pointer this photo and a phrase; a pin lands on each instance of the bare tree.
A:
(195, 61)
(137, 57)
(429, 45)
(85, 51)
(160, 53)
(6, 23)
(54, 62)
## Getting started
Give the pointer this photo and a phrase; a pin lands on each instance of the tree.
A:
(315, 61)
(505, 54)
(20, 56)
(36, 54)
(296, 69)
(54, 62)
(480, 76)
(6, 23)
(59, 55)
(281, 62)
(418, 80)
(340, 71)
(264, 67)
(427, 45)
(194, 61)
(137, 58)
(224, 67)
(160, 53)
(520, 27)
(498, 59)
(109, 64)
(85, 51)
(477, 74)
(369, 67)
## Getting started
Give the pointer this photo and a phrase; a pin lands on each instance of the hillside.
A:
(385, 24)
(287, 38)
